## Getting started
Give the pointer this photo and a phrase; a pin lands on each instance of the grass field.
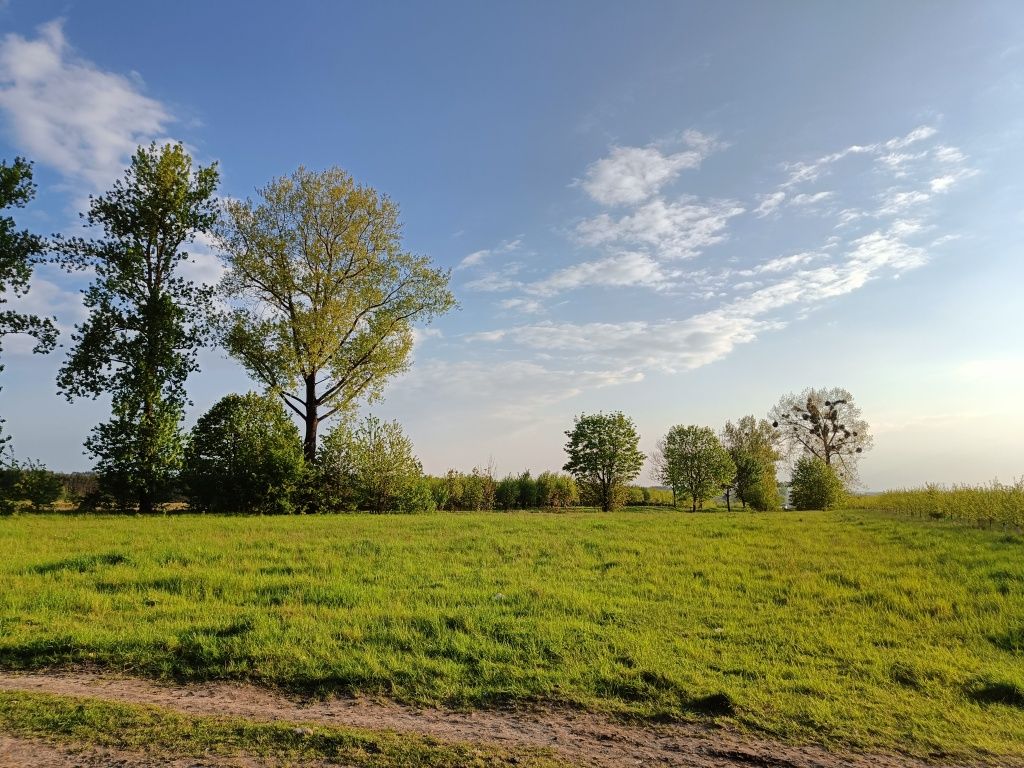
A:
(855, 629)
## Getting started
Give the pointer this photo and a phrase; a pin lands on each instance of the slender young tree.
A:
(19, 251)
(145, 321)
(325, 296)
(604, 456)
(752, 444)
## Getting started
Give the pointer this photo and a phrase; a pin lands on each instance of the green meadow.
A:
(855, 629)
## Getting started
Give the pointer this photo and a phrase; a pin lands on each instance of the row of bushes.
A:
(245, 456)
(30, 484)
(993, 505)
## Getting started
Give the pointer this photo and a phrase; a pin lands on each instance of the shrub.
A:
(371, 465)
(815, 485)
(244, 455)
(39, 486)
(762, 492)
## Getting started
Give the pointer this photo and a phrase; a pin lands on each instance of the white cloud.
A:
(204, 266)
(630, 175)
(66, 112)
(918, 134)
(805, 172)
(628, 349)
(769, 203)
(805, 199)
(619, 270)
(895, 201)
(674, 230)
(502, 279)
(786, 263)
(684, 344)
(522, 306)
(45, 298)
(508, 392)
(477, 257)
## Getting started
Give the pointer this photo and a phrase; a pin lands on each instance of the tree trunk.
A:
(728, 505)
(312, 420)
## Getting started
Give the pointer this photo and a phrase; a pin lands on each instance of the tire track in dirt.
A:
(583, 738)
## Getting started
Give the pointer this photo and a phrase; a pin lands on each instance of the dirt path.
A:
(25, 753)
(586, 739)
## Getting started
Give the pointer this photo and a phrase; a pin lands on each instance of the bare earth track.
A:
(583, 738)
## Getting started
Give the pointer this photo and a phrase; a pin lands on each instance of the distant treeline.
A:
(41, 490)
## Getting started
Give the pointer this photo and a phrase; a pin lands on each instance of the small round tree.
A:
(244, 455)
(604, 456)
(815, 484)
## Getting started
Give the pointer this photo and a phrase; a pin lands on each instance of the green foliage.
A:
(691, 460)
(557, 489)
(19, 251)
(328, 297)
(993, 505)
(146, 323)
(761, 490)
(815, 485)
(37, 485)
(244, 456)
(644, 496)
(29, 482)
(371, 466)
(604, 456)
(642, 614)
(751, 443)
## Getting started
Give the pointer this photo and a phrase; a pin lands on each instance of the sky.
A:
(678, 210)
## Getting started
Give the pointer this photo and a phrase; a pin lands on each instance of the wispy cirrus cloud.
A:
(70, 114)
(672, 230)
(476, 258)
(618, 270)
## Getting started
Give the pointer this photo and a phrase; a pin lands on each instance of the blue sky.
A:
(679, 210)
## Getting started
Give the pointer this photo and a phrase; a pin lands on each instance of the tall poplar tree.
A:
(145, 323)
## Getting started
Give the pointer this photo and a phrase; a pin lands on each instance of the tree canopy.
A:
(825, 423)
(325, 297)
(815, 484)
(604, 456)
(692, 461)
(752, 445)
(371, 465)
(243, 455)
(146, 322)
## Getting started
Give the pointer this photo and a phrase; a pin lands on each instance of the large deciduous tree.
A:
(692, 461)
(19, 251)
(145, 323)
(752, 445)
(825, 423)
(325, 297)
(604, 456)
